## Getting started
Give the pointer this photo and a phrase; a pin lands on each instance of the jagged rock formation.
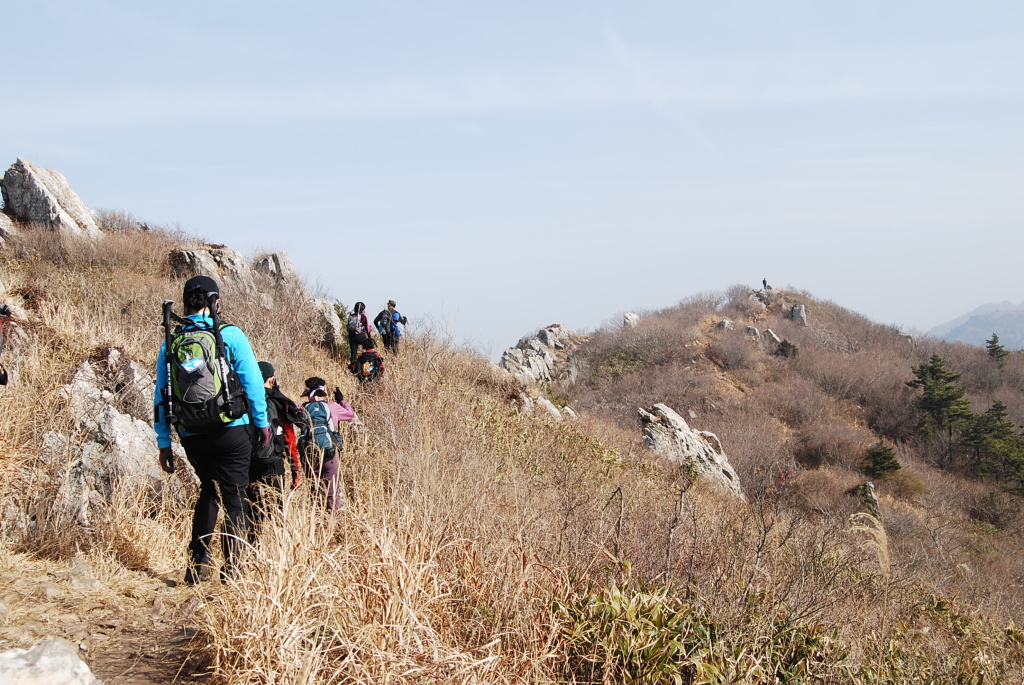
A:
(51, 661)
(278, 267)
(111, 442)
(227, 267)
(668, 435)
(630, 320)
(770, 334)
(43, 196)
(799, 314)
(545, 356)
(331, 327)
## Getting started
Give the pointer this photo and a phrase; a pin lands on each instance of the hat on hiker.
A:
(391, 303)
(199, 284)
(266, 369)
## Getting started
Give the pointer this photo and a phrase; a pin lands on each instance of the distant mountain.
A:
(1005, 319)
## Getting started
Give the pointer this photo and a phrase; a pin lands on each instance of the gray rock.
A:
(50, 662)
(568, 413)
(630, 320)
(771, 336)
(753, 332)
(227, 267)
(725, 325)
(331, 327)
(552, 411)
(43, 196)
(545, 356)
(799, 314)
(668, 435)
(277, 266)
(8, 228)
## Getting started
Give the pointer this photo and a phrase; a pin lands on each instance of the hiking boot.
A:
(200, 571)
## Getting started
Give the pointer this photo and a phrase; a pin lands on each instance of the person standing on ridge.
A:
(267, 469)
(209, 387)
(358, 328)
(387, 324)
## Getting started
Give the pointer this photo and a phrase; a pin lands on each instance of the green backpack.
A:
(203, 391)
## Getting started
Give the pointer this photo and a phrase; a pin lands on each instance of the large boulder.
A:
(227, 267)
(670, 436)
(799, 314)
(50, 662)
(43, 196)
(630, 320)
(331, 327)
(278, 267)
(545, 356)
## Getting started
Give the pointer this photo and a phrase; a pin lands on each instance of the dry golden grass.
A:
(468, 523)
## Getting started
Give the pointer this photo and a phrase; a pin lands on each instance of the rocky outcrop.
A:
(278, 267)
(7, 228)
(545, 356)
(630, 320)
(799, 314)
(112, 442)
(331, 327)
(44, 197)
(51, 661)
(770, 334)
(227, 267)
(668, 435)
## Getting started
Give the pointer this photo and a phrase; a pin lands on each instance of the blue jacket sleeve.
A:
(243, 360)
(160, 425)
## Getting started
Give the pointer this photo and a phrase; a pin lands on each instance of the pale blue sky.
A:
(520, 164)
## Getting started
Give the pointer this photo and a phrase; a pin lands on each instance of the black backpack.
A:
(274, 449)
(369, 366)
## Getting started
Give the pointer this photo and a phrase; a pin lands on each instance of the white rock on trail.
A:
(50, 662)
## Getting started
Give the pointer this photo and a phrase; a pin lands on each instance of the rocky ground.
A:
(134, 630)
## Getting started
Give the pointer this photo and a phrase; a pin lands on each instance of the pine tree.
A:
(997, 352)
(995, 449)
(881, 462)
(944, 410)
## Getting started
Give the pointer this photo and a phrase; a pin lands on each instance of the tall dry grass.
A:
(482, 545)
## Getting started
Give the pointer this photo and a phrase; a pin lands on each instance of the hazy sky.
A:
(497, 167)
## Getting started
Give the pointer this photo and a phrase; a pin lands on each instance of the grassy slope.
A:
(485, 546)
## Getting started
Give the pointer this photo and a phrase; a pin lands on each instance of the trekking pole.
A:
(165, 393)
(231, 409)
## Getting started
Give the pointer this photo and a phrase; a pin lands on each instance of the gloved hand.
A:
(262, 437)
(338, 396)
(167, 459)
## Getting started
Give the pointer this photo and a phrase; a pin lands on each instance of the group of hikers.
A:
(238, 428)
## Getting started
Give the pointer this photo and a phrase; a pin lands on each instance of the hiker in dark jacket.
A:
(266, 474)
(220, 456)
(387, 323)
(358, 328)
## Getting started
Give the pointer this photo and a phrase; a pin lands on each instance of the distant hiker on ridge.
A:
(387, 324)
(358, 328)
(266, 474)
(209, 386)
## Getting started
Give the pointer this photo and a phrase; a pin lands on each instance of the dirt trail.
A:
(132, 627)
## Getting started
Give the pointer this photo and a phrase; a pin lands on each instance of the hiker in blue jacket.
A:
(220, 455)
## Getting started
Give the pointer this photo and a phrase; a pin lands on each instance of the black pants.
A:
(357, 339)
(390, 342)
(221, 460)
(265, 492)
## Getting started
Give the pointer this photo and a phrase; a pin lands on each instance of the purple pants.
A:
(323, 475)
